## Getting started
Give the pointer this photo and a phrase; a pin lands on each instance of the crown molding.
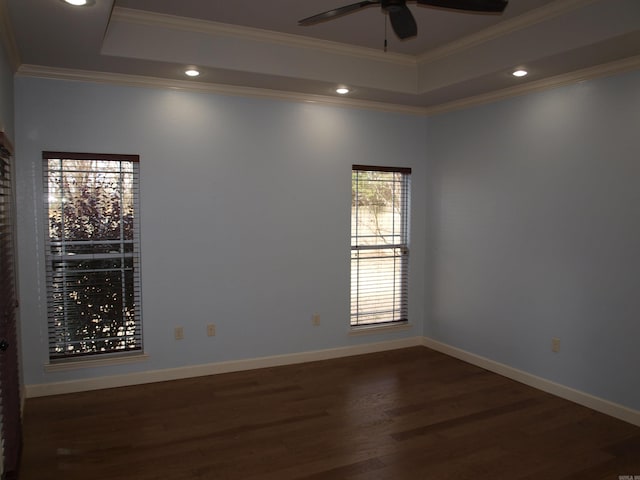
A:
(8, 38)
(603, 70)
(546, 12)
(141, 17)
(26, 70)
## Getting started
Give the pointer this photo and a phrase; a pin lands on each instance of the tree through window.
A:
(93, 254)
(379, 245)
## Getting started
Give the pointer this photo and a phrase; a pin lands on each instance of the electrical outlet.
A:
(315, 319)
(178, 333)
(555, 344)
(211, 330)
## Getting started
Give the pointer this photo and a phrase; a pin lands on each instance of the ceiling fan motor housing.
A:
(393, 5)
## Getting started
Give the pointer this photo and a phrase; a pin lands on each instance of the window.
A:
(92, 254)
(379, 245)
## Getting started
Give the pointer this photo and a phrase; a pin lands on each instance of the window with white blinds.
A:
(93, 254)
(379, 245)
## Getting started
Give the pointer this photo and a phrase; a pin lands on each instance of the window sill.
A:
(101, 362)
(373, 329)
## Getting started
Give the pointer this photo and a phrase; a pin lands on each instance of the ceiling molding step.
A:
(200, 87)
(546, 12)
(250, 55)
(603, 70)
(7, 37)
(141, 17)
(607, 69)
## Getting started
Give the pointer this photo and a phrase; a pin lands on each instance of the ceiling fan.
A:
(402, 21)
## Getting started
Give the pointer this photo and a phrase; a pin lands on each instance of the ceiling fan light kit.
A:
(402, 20)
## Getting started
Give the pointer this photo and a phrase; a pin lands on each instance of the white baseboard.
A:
(595, 403)
(604, 406)
(98, 383)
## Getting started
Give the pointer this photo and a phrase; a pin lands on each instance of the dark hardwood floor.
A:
(404, 414)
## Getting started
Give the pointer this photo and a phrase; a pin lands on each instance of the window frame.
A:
(60, 264)
(361, 298)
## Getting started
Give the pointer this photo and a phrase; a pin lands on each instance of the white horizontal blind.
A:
(379, 245)
(10, 399)
(93, 254)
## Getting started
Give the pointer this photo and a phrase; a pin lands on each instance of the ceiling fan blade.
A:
(484, 6)
(402, 21)
(337, 12)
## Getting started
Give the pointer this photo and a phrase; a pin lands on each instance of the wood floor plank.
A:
(405, 414)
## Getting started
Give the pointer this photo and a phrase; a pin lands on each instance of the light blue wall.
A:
(531, 229)
(6, 94)
(245, 215)
(536, 217)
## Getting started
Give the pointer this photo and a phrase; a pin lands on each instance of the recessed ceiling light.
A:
(191, 72)
(519, 73)
(342, 90)
(79, 3)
